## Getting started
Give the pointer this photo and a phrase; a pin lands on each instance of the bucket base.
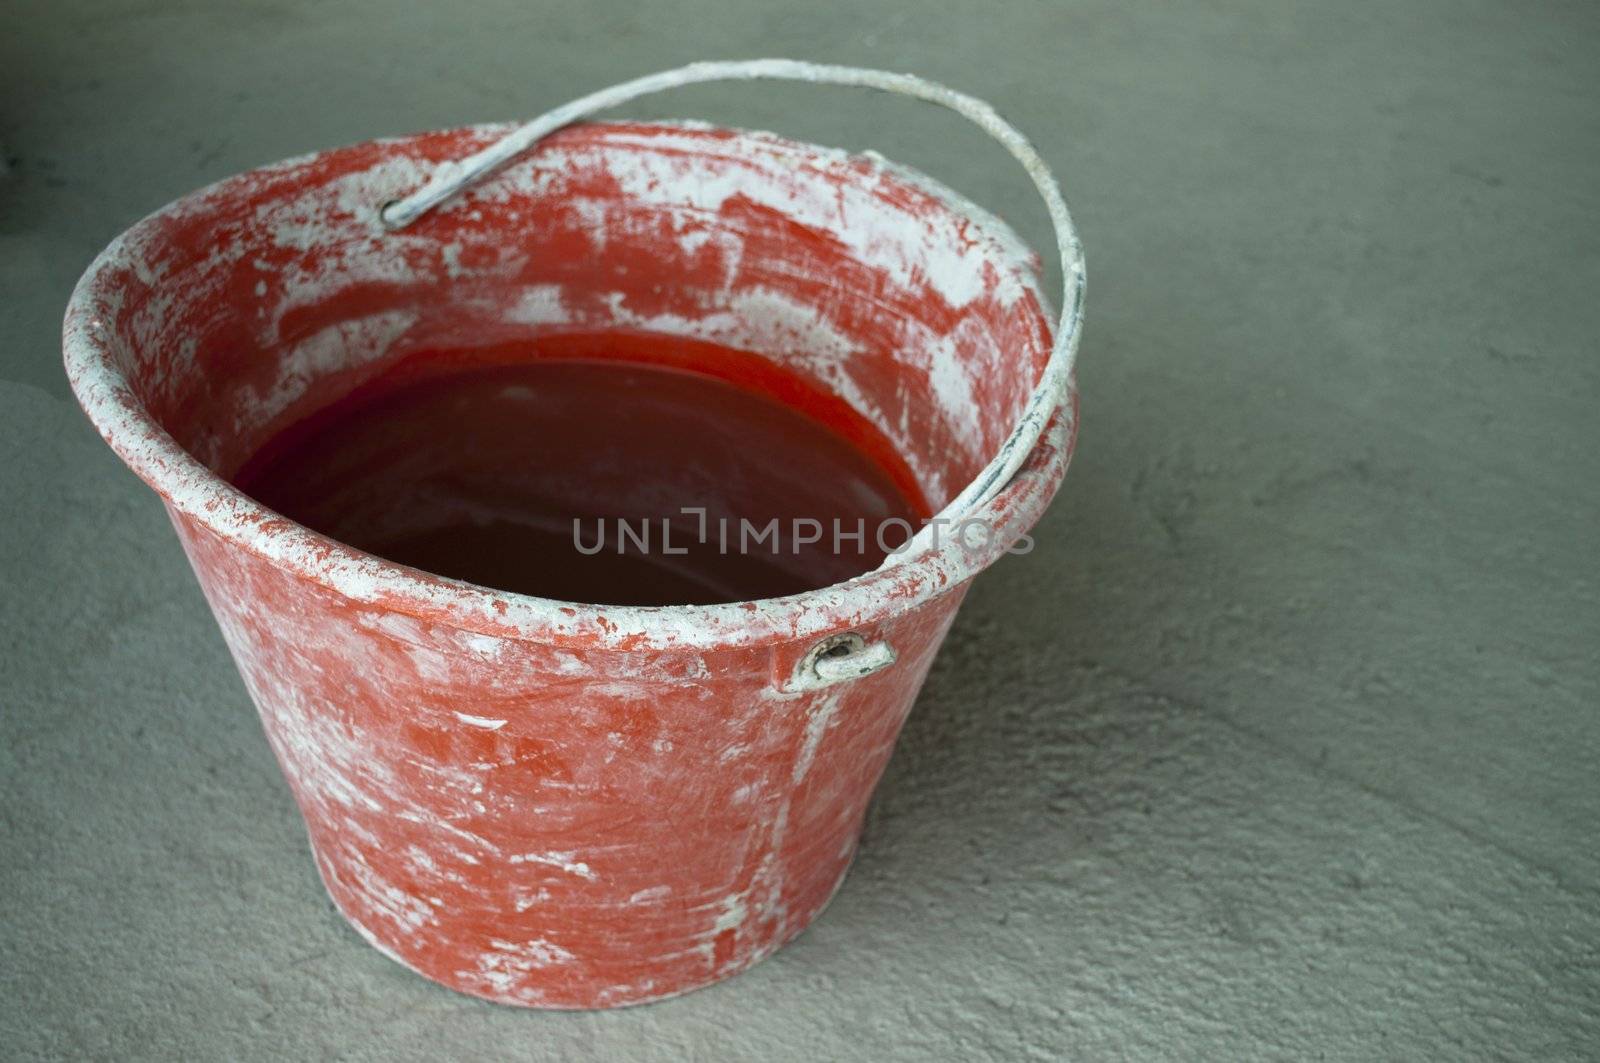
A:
(534, 995)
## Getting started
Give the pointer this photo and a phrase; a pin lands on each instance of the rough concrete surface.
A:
(1282, 744)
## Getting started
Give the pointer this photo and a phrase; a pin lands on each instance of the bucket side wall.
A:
(555, 828)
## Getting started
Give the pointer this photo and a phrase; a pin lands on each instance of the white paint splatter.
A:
(567, 862)
(487, 723)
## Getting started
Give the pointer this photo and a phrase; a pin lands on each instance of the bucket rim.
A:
(190, 488)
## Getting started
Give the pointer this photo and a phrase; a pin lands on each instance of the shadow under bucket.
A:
(551, 803)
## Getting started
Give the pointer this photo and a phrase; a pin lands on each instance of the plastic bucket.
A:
(547, 803)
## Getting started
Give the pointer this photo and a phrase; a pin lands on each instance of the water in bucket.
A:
(597, 467)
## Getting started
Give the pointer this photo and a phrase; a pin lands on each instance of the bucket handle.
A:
(451, 177)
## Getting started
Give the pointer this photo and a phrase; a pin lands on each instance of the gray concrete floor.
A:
(1283, 744)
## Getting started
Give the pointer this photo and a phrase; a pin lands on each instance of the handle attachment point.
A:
(840, 659)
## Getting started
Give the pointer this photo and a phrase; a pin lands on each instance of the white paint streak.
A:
(654, 893)
(487, 723)
(817, 723)
(567, 862)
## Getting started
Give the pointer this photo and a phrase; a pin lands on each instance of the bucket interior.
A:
(900, 321)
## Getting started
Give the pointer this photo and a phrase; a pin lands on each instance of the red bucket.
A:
(557, 804)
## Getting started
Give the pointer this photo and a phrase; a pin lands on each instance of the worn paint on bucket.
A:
(538, 802)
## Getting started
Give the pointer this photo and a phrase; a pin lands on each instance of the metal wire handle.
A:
(451, 177)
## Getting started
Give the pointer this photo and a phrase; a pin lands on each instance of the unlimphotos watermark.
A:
(892, 535)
